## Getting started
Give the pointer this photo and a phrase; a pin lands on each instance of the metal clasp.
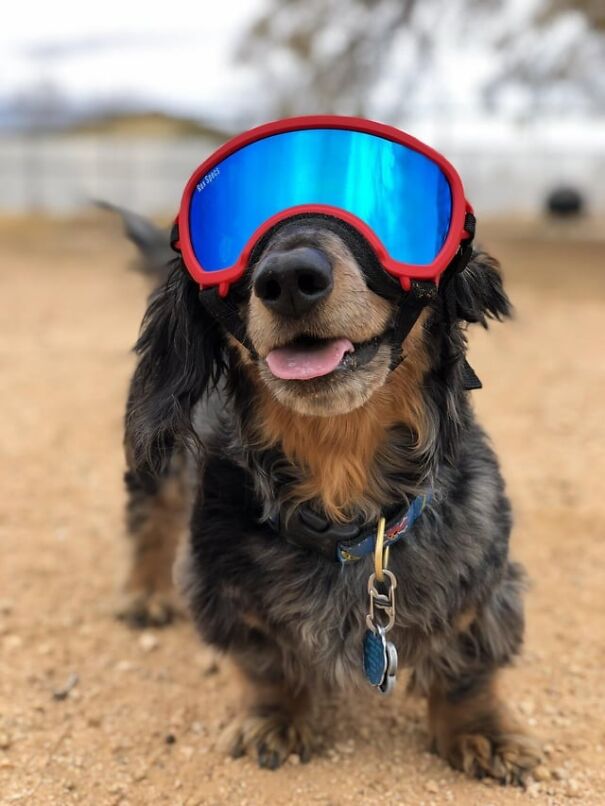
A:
(383, 602)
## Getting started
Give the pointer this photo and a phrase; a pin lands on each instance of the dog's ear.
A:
(479, 292)
(181, 355)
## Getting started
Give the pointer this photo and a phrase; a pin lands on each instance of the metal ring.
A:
(379, 564)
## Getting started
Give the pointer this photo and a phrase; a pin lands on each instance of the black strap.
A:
(422, 293)
(409, 309)
(225, 311)
(410, 305)
(470, 379)
(457, 265)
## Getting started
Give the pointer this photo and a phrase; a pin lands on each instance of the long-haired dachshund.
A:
(280, 477)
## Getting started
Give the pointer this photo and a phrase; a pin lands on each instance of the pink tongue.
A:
(302, 364)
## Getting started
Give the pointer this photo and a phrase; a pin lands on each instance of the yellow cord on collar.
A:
(381, 554)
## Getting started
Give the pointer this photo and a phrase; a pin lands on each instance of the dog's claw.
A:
(509, 758)
(269, 759)
(140, 610)
(270, 739)
(304, 754)
(237, 749)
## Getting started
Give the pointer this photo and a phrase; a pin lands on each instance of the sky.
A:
(177, 55)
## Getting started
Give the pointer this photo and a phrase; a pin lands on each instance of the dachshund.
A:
(239, 456)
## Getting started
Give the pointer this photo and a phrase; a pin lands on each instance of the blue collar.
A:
(394, 531)
(347, 542)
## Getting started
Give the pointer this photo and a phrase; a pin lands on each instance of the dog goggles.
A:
(402, 196)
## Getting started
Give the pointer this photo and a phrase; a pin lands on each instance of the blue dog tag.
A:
(374, 656)
(379, 660)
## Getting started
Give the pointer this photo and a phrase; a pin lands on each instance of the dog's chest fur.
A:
(249, 590)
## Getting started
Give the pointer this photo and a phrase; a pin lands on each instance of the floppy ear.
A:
(181, 355)
(478, 291)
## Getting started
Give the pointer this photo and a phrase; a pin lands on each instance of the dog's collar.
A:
(348, 542)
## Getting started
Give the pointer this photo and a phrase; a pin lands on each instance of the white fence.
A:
(60, 175)
(519, 182)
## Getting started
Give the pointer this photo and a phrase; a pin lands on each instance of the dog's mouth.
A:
(307, 358)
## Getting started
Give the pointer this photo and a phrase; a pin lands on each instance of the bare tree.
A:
(592, 10)
(381, 57)
(328, 55)
(556, 59)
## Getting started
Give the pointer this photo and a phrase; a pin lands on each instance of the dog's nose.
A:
(293, 282)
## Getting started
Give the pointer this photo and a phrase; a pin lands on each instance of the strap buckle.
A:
(382, 603)
(175, 242)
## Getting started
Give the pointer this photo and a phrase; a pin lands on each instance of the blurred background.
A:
(108, 102)
(119, 102)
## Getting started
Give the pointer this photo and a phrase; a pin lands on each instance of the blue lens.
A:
(403, 196)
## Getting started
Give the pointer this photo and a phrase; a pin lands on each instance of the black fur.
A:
(182, 356)
(479, 291)
(291, 618)
(454, 559)
(451, 560)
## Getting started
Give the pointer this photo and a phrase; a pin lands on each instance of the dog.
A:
(221, 448)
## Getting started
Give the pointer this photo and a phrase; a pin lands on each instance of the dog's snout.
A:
(291, 283)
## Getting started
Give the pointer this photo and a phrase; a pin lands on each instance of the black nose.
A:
(292, 282)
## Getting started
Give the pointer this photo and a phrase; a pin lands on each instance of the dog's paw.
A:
(507, 757)
(139, 609)
(271, 739)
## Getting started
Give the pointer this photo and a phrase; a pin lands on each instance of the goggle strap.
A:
(470, 222)
(224, 311)
(470, 379)
(421, 294)
(174, 237)
(458, 264)
(378, 279)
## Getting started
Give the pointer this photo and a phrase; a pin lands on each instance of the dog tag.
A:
(379, 660)
(390, 678)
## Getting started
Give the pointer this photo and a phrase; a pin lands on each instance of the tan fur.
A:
(477, 735)
(350, 310)
(148, 594)
(251, 619)
(337, 453)
(464, 620)
(274, 724)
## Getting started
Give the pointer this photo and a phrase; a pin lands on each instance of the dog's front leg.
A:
(275, 720)
(157, 513)
(473, 730)
(470, 725)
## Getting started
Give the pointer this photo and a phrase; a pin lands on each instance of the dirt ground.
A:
(140, 721)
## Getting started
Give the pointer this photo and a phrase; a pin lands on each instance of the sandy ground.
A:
(140, 723)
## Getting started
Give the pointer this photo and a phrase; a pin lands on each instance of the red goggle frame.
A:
(404, 272)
